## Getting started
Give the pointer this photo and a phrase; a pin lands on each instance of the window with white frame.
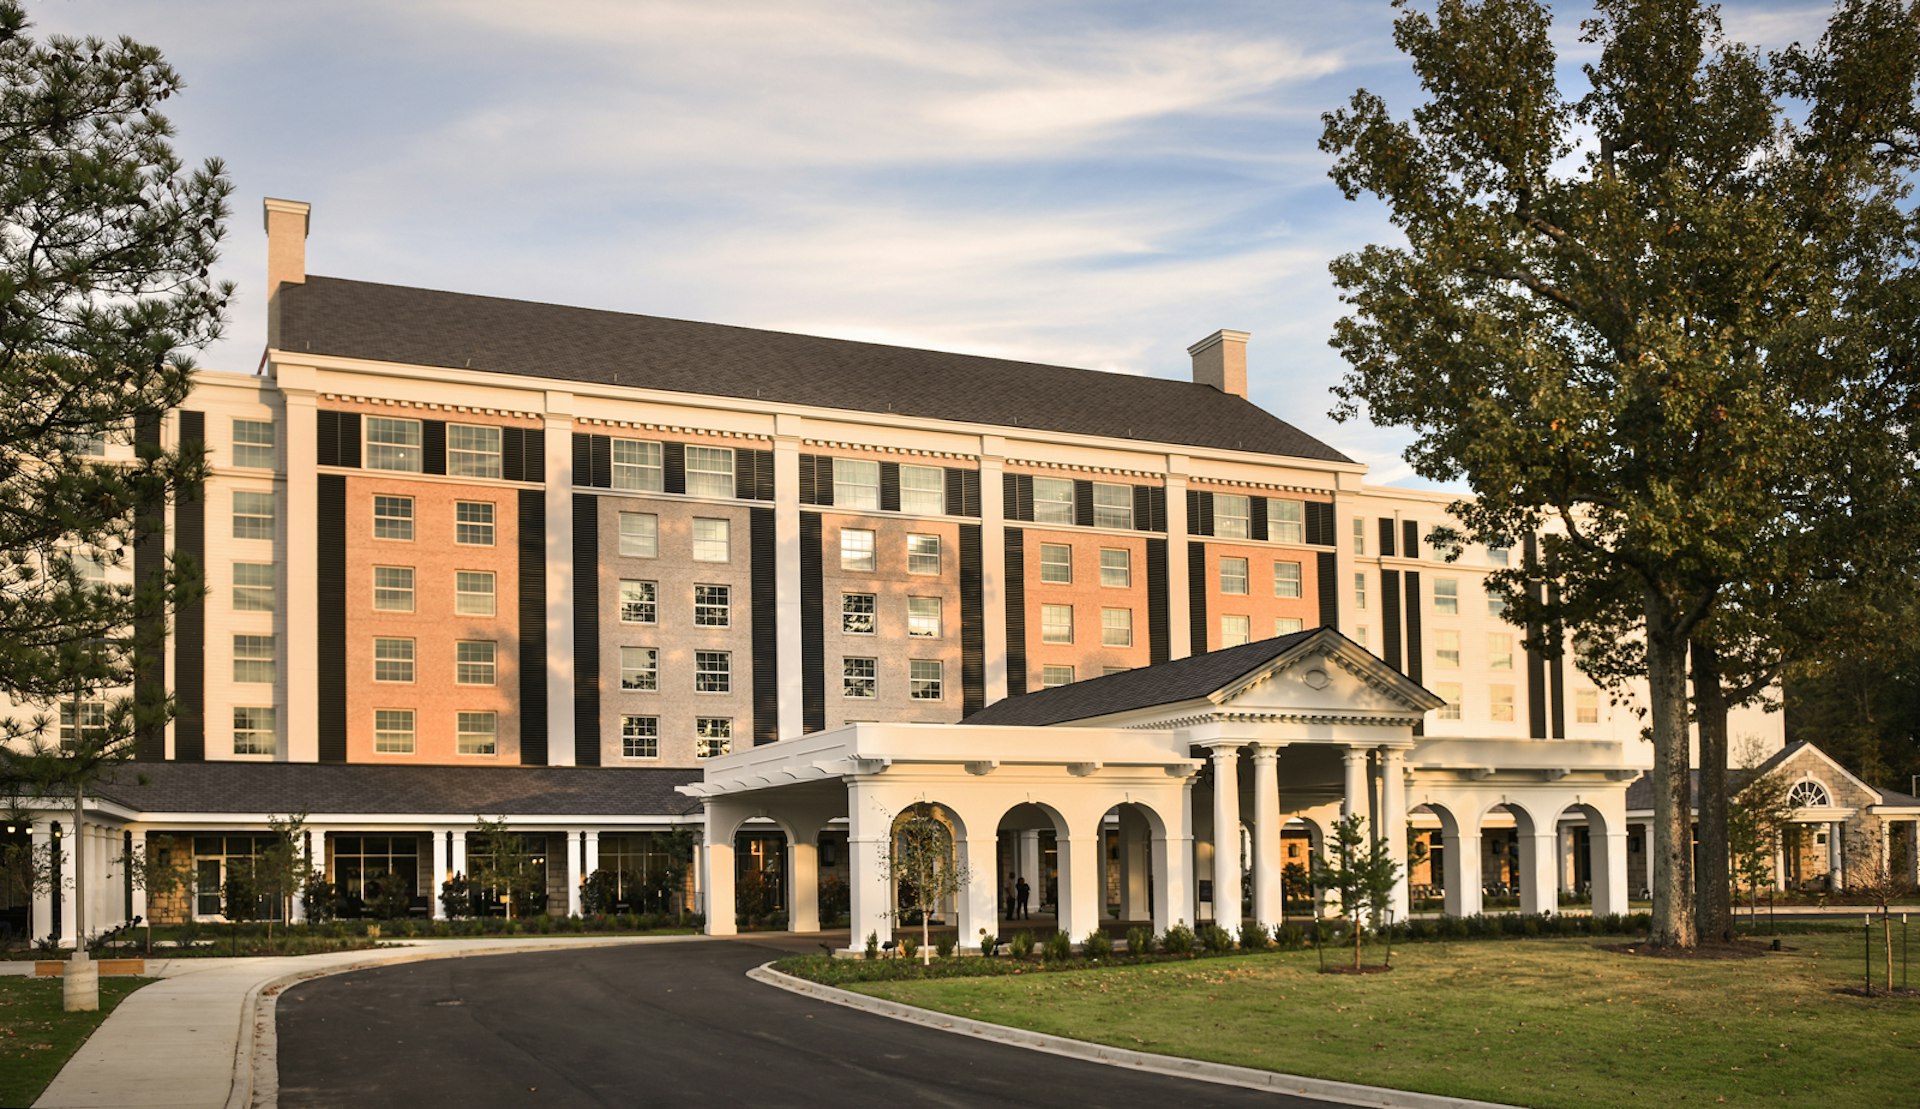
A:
(254, 730)
(1287, 521)
(637, 466)
(1116, 567)
(253, 587)
(473, 451)
(640, 737)
(639, 602)
(393, 731)
(1112, 505)
(1446, 596)
(712, 736)
(1286, 579)
(856, 549)
(923, 554)
(253, 444)
(1052, 500)
(856, 484)
(253, 659)
(473, 592)
(712, 540)
(477, 733)
(92, 444)
(712, 672)
(86, 720)
(1359, 532)
(856, 613)
(392, 660)
(1232, 516)
(473, 523)
(1056, 623)
(1051, 676)
(640, 669)
(923, 617)
(473, 661)
(1056, 563)
(1450, 693)
(1235, 630)
(1499, 651)
(712, 606)
(1106, 670)
(1496, 604)
(1500, 703)
(1360, 635)
(393, 588)
(90, 564)
(639, 535)
(1446, 647)
(923, 680)
(710, 471)
(1116, 627)
(923, 490)
(1233, 576)
(1499, 556)
(1586, 706)
(858, 677)
(392, 517)
(1360, 592)
(252, 515)
(1287, 625)
(392, 444)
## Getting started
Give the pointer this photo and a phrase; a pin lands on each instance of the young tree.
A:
(280, 872)
(1359, 873)
(1757, 815)
(1616, 317)
(921, 863)
(501, 861)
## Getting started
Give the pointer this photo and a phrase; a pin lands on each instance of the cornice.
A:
(432, 406)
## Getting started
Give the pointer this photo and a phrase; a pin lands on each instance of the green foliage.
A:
(1179, 940)
(1058, 948)
(1254, 937)
(872, 950)
(599, 892)
(989, 943)
(1289, 937)
(908, 946)
(505, 867)
(1357, 872)
(1097, 946)
(1021, 945)
(1139, 941)
(1296, 882)
(922, 864)
(1215, 940)
(944, 944)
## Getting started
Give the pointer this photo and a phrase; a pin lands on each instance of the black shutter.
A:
(330, 624)
(535, 468)
(1143, 508)
(1390, 617)
(1016, 591)
(1319, 524)
(1159, 604)
(956, 490)
(753, 475)
(582, 460)
(586, 629)
(1083, 503)
(763, 476)
(1160, 509)
(1556, 674)
(533, 627)
(973, 623)
(823, 481)
(1257, 518)
(1415, 660)
(433, 446)
(1197, 598)
(889, 487)
(1537, 702)
(190, 621)
(1328, 573)
(763, 612)
(813, 632)
(149, 566)
(1386, 537)
(601, 470)
(326, 435)
(1023, 489)
(675, 456)
(513, 453)
(970, 493)
(743, 474)
(1199, 512)
(1409, 539)
(808, 493)
(349, 450)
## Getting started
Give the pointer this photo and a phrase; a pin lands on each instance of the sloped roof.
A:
(1640, 792)
(425, 327)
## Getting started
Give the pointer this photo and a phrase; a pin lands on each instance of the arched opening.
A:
(1133, 867)
(924, 865)
(1027, 870)
(1301, 842)
(760, 876)
(1448, 878)
(1589, 876)
(1517, 858)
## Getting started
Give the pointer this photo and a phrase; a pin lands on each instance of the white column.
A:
(1080, 895)
(1609, 872)
(458, 860)
(1173, 866)
(1462, 868)
(298, 611)
(870, 895)
(1539, 870)
(590, 858)
(1027, 861)
(803, 882)
(139, 892)
(41, 915)
(559, 470)
(1227, 910)
(993, 568)
(1354, 800)
(442, 870)
(1179, 614)
(1136, 851)
(980, 897)
(1836, 856)
(786, 573)
(717, 877)
(575, 876)
(69, 852)
(1269, 907)
(1393, 822)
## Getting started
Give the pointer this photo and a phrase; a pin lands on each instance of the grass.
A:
(1537, 1022)
(37, 1036)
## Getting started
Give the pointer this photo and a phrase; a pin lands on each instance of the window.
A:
(712, 672)
(923, 554)
(1450, 693)
(1500, 702)
(252, 515)
(360, 861)
(923, 490)
(639, 602)
(1051, 676)
(473, 662)
(93, 444)
(637, 466)
(1052, 500)
(1106, 670)
(856, 613)
(1116, 627)
(639, 535)
(1497, 605)
(473, 592)
(393, 588)
(923, 617)
(712, 605)
(90, 564)
(1360, 635)
(393, 660)
(712, 540)
(253, 658)
(1586, 706)
(1231, 516)
(253, 728)
(393, 445)
(1360, 592)
(1499, 651)
(712, 736)
(253, 444)
(1233, 576)
(857, 677)
(640, 669)
(1359, 532)
(473, 451)
(856, 549)
(1112, 506)
(1286, 579)
(253, 587)
(1116, 567)
(1287, 521)
(393, 731)
(392, 517)
(1446, 647)
(1234, 630)
(923, 680)
(1056, 623)
(710, 471)
(92, 726)
(1808, 794)
(1446, 596)
(856, 484)
(473, 523)
(640, 737)
(1056, 563)
(477, 733)
(1287, 625)
(1498, 556)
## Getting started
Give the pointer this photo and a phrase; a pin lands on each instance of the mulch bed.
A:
(1903, 993)
(1738, 949)
(1369, 969)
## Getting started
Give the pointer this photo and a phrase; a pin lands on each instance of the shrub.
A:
(1139, 941)
(1216, 940)
(1179, 940)
(1097, 945)
(908, 947)
(872, 951)
(988, 943)
(1253, 937)
(1021, 945)
(1058, 948)
(1292, 937)
(944, 944)
(599, 892)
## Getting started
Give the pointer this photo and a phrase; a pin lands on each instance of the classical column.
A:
(1028, 864)
(1462, 867)
(1913, 855)
(457, 852)
(575, 877)
(786, 575)
(559, 584)
(870, 896)
(139, 906)
(1539, 870)
(442, 870)
(1609, 872)
(1354, 801)
(803, 882)
(717, 878)
(1081, 900)
(1269, 907)
(296, 613)
(1179, 613)
(1393, 822)
(1836, 857)
(1136, 851)
(993, 568)
(1226, 834)
(1173, 866)
(980, 897)
(590, 851)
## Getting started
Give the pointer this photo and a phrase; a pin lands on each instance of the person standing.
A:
(1013, 903)
(1024, 891)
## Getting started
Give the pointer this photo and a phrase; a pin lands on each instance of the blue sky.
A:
(1091, 184)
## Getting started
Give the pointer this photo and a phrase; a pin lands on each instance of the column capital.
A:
(1267, 749)
(1355, 755)
(1222, 749)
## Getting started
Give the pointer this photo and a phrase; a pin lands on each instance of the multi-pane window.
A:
(637, 466)
(712, 606)
(639, 535)
(473, 661)
(858, 677)
(253, 444)
(1450, 693)
(1287, 521)
(1496, 604)
(710, 471)
(1287, 625)
(1446, 647)
(640, 669)
(392, 517)
(90, 564)
(1586, 706)
(473, 593)
(253, 587)
(393, 660)
(393, 588)
(1051, 676)
(923, 490)
(639, 602)
(1112, 505)
(476, 733)
(1052, 500)
(1116, 627)
(1446, 596)
(253, 730)
(1500, 703)
(1116, 567)
(86, 720)
(393, 731)
(856, 549)
(392, 445)
(923, 554)
(1232, 516)
(1360, 592)
(473, 451)
(923, 617)
(1233, 576)
(252, 515)
(1056, 623)
(1056, 563)
(923, 679)
(1286, 579)
(1498, 556)
(856, 484)
(1360, 635)
(712, 672)
(640, 737)
(712, 540)
(1359, 530)
(1499, 651)
(856, 613)
(1234, 630)
(473, 523)
(253, 658)
(712, 736)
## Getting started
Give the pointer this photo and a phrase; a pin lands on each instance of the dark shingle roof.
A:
(392, 323)
(1165, 684)
(1640, 792)
(244, 787)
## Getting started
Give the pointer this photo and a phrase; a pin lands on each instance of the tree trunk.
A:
(1672, 847)
(79, 860)
(1714, 881)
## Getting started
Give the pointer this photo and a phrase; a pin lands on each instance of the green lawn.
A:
(1535, 1022)
(37, 1036)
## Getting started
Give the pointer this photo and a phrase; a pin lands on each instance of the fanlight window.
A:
(1808, 795)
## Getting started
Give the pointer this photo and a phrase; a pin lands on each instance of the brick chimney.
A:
(1220, 360)
(286, 223)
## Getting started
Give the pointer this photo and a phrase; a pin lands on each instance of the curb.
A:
(1325, 1089)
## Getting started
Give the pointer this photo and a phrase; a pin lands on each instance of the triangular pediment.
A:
(1327, 675)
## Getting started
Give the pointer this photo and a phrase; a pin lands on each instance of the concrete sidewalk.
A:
(199, 1037)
